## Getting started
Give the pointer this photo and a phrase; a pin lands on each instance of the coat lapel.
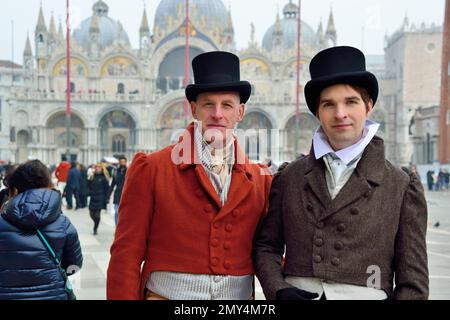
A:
(315, 180)
(240, 187)
(241, 183)
(203, 178)
(367, 175)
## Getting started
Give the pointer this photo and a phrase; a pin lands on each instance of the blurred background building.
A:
(127, 99)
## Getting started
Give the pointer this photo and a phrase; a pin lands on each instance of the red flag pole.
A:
(68, 91)
(297, 95)
(186, 70)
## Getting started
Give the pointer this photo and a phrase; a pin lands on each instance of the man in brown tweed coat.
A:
(343, 222)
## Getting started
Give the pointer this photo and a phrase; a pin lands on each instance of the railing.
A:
(79, 96)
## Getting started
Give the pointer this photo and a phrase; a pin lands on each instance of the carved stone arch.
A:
(171, 121)
(114, 123)
(57, 128)
(160, 54)
(171, 70)
(255, 133)
(294, 144)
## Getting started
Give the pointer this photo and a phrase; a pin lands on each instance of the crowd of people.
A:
(438, 181)
(96, 183)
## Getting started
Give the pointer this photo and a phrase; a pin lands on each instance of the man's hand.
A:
(295, 294)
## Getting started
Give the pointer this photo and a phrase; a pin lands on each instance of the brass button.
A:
(318, 242)
(354, 211)
(317, 258)
(229, 227)
(335, 261)
(227, 245)
(341, 227)
(338, 245)
(215, 242)
(214, 261)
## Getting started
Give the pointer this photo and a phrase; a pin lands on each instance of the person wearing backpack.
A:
(32, 229)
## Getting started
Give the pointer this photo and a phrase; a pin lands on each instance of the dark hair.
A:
(32, 174)
(122, 158)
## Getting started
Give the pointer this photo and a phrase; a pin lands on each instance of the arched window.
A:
(118, 144)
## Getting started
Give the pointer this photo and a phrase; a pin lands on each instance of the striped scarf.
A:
(217, 163)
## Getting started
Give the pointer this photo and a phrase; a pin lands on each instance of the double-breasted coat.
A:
(173, 220)
(376, 224)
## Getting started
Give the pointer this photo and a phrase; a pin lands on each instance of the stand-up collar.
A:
(322, 146)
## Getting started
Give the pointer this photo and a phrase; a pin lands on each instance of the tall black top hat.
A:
(217, 71)
(338, 65)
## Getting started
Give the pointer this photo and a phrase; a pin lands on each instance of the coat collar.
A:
(185, 156)
(368, 173)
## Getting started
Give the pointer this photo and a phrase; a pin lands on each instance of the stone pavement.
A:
(90, 282)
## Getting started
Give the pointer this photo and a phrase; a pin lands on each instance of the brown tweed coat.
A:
(379, 218)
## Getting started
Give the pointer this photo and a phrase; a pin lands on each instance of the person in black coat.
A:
(117, 183)
(73, 186)
(98, 190)
(27, 269)
(83, 185)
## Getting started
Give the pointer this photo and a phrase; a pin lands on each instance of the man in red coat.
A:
(62, 173)
(190, 210)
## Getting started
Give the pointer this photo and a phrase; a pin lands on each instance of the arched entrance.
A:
(57, 129)
(117, 133)
(171, 72)
(171, 122)
(257, 131)
(307, 126)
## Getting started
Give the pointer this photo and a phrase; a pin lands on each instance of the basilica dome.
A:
(110, 30)
(287, 28)
(207, 14)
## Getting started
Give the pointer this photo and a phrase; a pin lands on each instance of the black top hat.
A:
(338, 65)
(217, 71)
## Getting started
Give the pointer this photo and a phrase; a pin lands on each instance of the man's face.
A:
(122, 163)
(219, 112)
(342, 114)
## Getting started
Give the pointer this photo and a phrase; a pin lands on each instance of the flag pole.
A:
(297, 95)
(68, 91)
(186, 66)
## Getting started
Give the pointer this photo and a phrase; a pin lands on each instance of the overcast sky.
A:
(360, 23)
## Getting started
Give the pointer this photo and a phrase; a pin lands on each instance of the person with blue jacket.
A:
(27, 269)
